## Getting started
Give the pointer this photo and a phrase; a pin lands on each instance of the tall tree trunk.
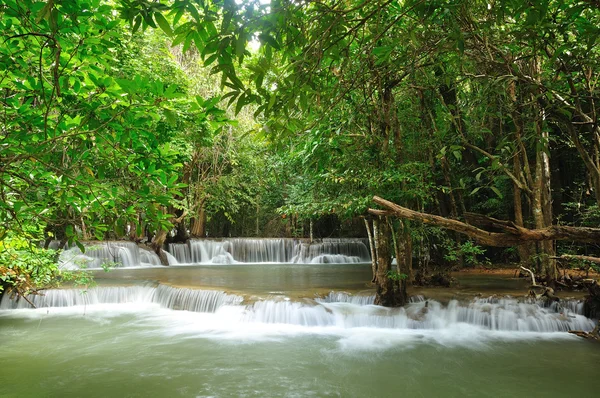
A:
(523, 250)
(257, 232)
(542, 200)
(400, 281)
(522, 175)
(373, 245)
(453, 206)
(409, 256)
(198, 227)
(84, 231)
(386, 294)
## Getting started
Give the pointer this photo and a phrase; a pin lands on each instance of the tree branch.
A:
(513, 235)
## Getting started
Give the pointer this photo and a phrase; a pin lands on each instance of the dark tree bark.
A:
(591, 305)
(198, 227)
(388, 292)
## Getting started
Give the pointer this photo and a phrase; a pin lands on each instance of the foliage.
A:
(396, 276)
(79, 140)
(118, 116)
(26, 268)
(470, 252)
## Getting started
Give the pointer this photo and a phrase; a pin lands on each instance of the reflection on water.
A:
(304, 280)
(291, 279)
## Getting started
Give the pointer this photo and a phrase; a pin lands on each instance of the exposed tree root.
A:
(546, 292)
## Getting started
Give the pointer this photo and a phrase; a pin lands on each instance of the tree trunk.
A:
(385, 288)
(523, 176)
(542, 203)
(182, 233)
(591, 305)
(386, 294)
(401, 253)
(372, 248)
(198, 228)
(523, 250)
(257, 232)
(409, 255)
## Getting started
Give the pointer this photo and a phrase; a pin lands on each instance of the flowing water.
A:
(290, 330)
(218, 251)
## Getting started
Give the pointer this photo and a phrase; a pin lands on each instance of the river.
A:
(275, 330)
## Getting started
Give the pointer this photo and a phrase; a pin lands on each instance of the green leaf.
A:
(265, 38)
(80, 246)
(171, 117)
(497, 192)
(163, 23)
(240, 46)
(137, 23)
(240, 103)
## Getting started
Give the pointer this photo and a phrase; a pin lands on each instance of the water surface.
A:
(146, 351)
(147, 338)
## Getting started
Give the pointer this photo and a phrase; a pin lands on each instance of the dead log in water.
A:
(594, 335)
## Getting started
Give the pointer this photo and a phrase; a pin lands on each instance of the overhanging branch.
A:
(512, 234)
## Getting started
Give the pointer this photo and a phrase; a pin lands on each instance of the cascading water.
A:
(247, 250)
(337, 310)
(122, 254)
(111, 254)
(333, 251)
(165, 296)
(343, 297)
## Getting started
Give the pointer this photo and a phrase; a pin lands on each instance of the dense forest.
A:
(473, 123)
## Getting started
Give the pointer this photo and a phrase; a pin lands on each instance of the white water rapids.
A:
(220, 315)
(223, 251)
(163, 341)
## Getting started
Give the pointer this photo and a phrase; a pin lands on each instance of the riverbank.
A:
(514, 269)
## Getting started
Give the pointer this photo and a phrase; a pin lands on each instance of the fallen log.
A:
(593, 335)
(489, 223)
(512, 235)
(595, 260)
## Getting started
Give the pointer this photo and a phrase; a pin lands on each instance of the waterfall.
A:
(343, 297)
(338, 309)
(249, 250)
(171, 259)
(123, 254)
(76, 297)
(193, 300)
(507, 315)
(333, 251)
(112, 254)
(165, 296)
